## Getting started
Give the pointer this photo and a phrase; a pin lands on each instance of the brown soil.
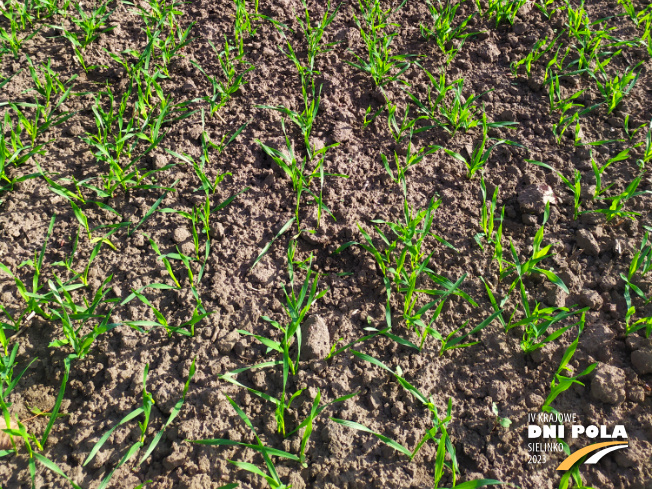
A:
(108, 383)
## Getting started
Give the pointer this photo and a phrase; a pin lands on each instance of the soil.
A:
(590, 255)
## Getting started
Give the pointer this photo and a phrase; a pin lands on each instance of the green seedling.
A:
(539, 321)
(284, 229)
(118, 136)
(567, 119)
(73, 318)
(67, 263)
(647, 150)
(33, 299)
(209, 187)
(452, 342)
(93, 24)
(11, 43)
(487, 216)
(573, 185)
(160, 13)
(305, 119)
(559, 103)
(369, 117)
(234, 79)
(615, 89)
(636, 16)
(404, 261)
(43, 118)
(503, 10)
(442, 30)
(243, 18)
(383, 66)
(641, 264)
(546, 7)
(271, 476)
(145, 411)
(561, 383)
(531, 265)
(314, 35)
(163, 258)
(573, 473)
(599, 170)
(438, 433)
(14, 154)
(631, 133)
(18, 14)
(461, 113)
(297, 307)
(412, 158)
(300, 175)
(458, 114)
(500, 421)
(539, 49)
(50, 85)
(186, 328)
(224, 142)
(618, 201)
(480, 155)
(307, 424)
(404, 127)
(175, 42)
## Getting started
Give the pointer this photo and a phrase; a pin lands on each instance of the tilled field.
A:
(340, 246)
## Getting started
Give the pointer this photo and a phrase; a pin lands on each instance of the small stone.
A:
(159, 161)
(217, 231)
(316, 341)
(590, 298)
(180, 235)
(608, 283)
(498, 390)
(608, 385)
(228, 341)
(296, 481)
(342, 132)
(593, 218)
(76, 130)
(188, 248)
(642, 361)
(189, 86)
(556, 297)
(636, 342)
(489, 52)
(636, 394)
(318, 367)
(533, 198)
(534, 400)
(139, 240)
(587, 242)
(194, 132)
(519, 28)
(177, 458)
(596, 336)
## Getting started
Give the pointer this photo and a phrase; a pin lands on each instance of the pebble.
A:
(228, 341)
(533, 198)
(587, 242)
(590, 298)
(642, 361)
(180, 235)
(608, 385)
(316, 341)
